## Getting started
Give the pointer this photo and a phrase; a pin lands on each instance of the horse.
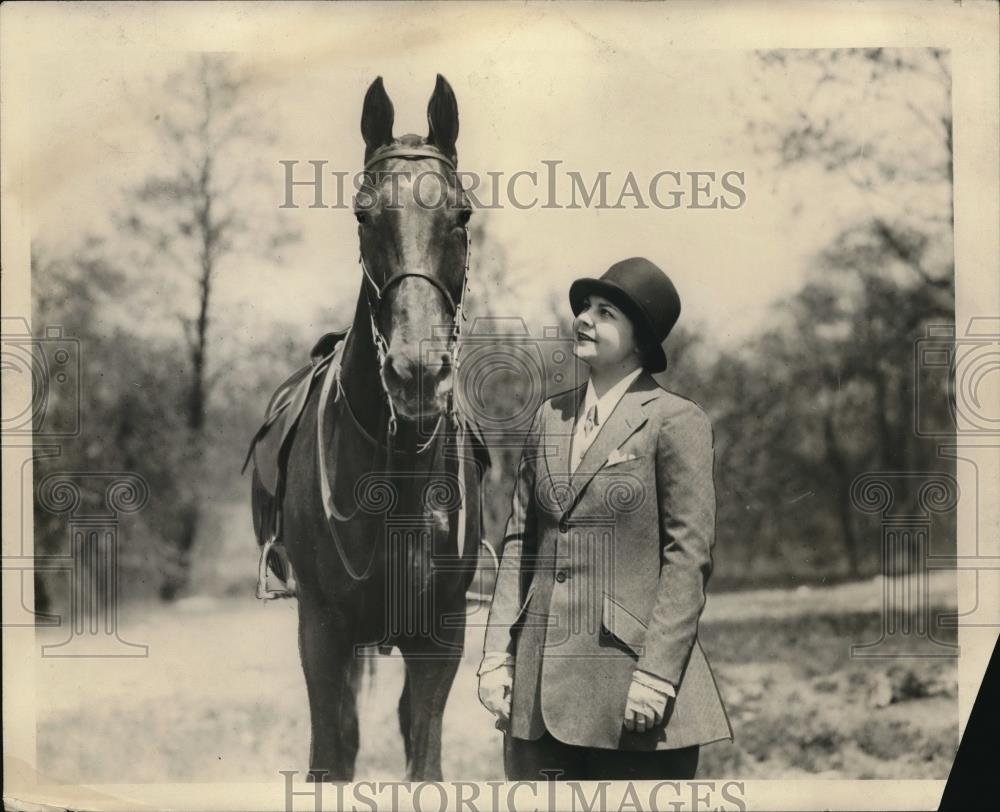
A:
(381, 502)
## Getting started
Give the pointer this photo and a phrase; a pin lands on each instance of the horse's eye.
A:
(361, 217)
(463, 216)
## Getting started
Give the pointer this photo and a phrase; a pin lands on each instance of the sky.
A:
(599, 92)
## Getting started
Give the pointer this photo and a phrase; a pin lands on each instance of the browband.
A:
(409, 153)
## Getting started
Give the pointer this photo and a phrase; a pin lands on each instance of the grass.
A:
(221, 697)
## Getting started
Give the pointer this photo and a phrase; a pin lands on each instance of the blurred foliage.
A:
(132, 390)
(129, 420)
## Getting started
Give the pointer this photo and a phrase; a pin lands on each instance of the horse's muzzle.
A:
(418, 389)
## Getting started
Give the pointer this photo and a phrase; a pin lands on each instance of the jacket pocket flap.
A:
(524, 604)
(623, 624)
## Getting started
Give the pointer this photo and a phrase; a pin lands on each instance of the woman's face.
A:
(603, 334)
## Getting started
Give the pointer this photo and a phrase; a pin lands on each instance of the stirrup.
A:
(288, 589)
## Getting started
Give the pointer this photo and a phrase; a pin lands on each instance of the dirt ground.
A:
(221, 696)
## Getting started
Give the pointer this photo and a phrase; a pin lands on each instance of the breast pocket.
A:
(626, 462)
(634, 453)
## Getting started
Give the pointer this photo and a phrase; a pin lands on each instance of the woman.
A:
(592, 663)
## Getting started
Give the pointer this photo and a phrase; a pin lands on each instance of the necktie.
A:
(591, 421)
(581, 444)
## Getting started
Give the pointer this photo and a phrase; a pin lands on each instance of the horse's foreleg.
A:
(330, 670)
(430, 672)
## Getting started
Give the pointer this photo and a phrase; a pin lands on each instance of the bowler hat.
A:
(645, 294)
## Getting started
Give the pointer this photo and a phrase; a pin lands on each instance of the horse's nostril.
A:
(391, 373)
(437, 371)
(445, 368)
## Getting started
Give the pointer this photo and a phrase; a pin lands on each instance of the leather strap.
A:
(396, 278)
(460, 530)
(333, 516)
(409, 153)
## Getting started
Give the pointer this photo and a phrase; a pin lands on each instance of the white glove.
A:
(645, 707)
(495, 688)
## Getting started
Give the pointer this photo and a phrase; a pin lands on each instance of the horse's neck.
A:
(360, 374)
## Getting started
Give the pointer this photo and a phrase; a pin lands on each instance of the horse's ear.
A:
(442, 117)
(376, 118)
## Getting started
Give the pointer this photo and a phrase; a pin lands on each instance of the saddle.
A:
(269, 451)
(284, 410)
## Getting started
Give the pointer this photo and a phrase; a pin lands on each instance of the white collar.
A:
(606, 405)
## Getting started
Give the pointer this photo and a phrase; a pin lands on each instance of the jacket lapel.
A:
(625, 419)
(558, 438)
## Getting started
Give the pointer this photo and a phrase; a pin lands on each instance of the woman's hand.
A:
(495, 687)
(645, 707)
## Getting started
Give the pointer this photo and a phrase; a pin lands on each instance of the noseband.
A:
(380, 291)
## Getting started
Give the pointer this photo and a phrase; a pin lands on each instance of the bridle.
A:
(333, 379)
(455, 309)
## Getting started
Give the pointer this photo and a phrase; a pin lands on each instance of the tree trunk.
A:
(179, 575)
(887, 451)
(177, 579)
(835, 459)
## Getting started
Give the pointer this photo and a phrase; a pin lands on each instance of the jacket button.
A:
(560, 576)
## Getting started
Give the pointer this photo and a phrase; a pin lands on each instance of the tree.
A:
(189, 223)
(879, 119)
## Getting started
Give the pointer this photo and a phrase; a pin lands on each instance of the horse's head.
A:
(412, 216)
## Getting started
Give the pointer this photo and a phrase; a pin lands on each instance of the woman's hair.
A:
(646, 350)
